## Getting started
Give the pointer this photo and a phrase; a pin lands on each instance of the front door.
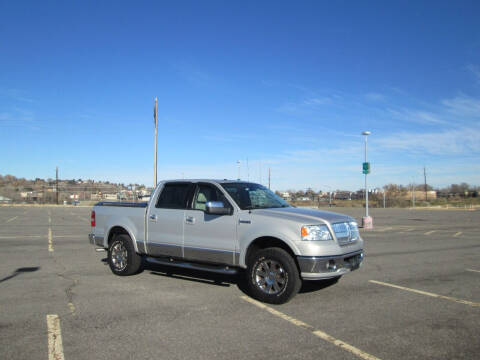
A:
(209, 238)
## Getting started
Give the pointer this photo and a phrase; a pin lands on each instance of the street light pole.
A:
(367, 220)
(366, 133)
(155, 151)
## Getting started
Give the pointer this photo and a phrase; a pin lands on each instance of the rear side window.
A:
(174, 196)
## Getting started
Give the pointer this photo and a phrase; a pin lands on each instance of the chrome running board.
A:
(218, 269)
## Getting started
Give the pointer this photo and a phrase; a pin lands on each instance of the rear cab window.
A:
(174, 196)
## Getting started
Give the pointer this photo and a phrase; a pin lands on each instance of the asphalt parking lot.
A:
(417, 296)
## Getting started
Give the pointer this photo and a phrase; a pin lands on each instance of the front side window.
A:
(253, 196)
(174, 196)
(205, 194)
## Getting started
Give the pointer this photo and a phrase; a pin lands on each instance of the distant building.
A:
(110, 197)
(5, 200)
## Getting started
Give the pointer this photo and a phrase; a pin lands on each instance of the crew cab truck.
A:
(227, 226)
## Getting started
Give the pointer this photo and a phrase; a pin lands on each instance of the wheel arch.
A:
(117, 230)
(264, 242)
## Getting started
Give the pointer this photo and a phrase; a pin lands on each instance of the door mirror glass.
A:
(217, 208)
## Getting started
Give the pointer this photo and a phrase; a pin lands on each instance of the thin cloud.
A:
(306, 106)
(375, 97)
(448, 142)
(475, 71)
(414, 116)
(463, 106)
(192, 74)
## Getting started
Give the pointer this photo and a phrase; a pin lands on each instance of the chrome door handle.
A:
(190, 220)
(153, 217)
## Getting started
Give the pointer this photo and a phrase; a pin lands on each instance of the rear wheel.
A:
(272, 276)
(122, 258)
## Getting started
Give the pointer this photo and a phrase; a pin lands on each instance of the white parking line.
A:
(465, 302)
(68, 236)
(21, 236)
(50, 242)
(318, 333)
(471, 270)
(55, 346)
(411, 229)
(72, 308)
(385, 229)
(13, 218)
(458, 234)
(430, 232)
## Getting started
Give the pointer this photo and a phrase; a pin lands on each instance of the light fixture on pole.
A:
(367, 221)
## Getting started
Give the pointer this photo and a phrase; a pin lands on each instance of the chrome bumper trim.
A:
(325, 267)
(95, 240)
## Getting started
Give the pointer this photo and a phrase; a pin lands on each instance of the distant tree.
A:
(310, 194)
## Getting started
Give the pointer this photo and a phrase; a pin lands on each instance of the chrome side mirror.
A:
(217, 208)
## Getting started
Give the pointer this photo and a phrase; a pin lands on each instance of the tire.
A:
(122, 258)
(272, 276)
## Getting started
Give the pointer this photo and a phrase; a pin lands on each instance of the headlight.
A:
(316, 233)
(354, 234)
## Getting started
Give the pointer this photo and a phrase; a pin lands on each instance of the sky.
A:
(242, 87)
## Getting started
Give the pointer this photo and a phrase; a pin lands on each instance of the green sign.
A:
(366, 168)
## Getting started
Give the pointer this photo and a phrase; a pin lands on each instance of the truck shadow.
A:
(239, 279)
(209, 278)
(204, 277)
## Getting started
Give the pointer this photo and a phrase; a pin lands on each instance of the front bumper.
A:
(95, 240)
(325, 267)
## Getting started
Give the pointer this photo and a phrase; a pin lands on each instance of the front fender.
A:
(248, 238)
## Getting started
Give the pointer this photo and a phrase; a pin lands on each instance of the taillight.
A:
(92, 218)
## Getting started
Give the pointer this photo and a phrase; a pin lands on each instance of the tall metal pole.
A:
(425, 177)
(238, 165)
(56, 185)
(155, 151)
(269, 178)
(366, 185)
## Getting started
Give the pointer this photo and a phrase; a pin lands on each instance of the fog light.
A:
(331, 265)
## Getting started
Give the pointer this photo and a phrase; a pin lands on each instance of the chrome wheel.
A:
(119, 256)
(270, 277)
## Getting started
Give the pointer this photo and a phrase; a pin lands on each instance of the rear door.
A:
(166, 220)
(210, 238)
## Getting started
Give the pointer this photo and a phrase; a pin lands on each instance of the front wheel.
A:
(122, 258)
(272, 276)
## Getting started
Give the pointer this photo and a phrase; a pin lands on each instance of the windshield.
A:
(253, 196)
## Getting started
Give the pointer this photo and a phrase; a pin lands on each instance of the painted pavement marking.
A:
(465, 302)
(322, 335)
(55, 346)
(50, 242)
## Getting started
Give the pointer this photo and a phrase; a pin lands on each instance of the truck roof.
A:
(219, 181)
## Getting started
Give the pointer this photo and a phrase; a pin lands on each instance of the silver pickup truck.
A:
(228, 226)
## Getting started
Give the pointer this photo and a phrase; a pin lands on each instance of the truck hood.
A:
(303, 215)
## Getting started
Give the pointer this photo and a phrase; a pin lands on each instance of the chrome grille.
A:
(346, 233)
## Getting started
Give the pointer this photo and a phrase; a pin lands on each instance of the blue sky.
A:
(287, 85)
